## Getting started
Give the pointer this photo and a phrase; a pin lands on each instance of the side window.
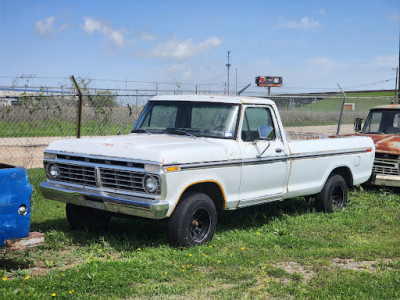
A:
(253, 118)
(396, 121)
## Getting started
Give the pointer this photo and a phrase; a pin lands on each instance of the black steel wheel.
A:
(333, 196)
(200, 225)
(193, 222)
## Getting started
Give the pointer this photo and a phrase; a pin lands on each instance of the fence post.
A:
(79, 108)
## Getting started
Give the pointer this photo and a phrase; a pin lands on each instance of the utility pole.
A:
(228, 65)
(236, 82)
(395, 86)
(398, 73)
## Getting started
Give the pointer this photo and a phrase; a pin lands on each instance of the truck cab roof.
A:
(214, 98)
(390, 106)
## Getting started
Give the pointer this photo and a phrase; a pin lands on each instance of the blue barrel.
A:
(15, 203)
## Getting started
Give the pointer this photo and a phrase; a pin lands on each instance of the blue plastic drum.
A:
(15, 203)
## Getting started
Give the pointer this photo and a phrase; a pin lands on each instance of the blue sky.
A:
(313, 45)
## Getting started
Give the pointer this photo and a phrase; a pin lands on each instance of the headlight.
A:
(50, 155)
(53, 172)
(22, 210)
(150, 184)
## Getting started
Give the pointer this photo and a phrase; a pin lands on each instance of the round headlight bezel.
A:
(22, 210)
(145, 183)
(53, 171)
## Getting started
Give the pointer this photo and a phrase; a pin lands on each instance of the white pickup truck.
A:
(190, 155)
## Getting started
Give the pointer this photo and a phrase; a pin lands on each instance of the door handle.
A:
(278, 150)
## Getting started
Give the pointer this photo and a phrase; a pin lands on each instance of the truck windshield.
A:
(195, 119)
(382, 121)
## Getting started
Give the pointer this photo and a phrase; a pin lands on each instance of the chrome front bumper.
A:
(386, 180)
(129, 205)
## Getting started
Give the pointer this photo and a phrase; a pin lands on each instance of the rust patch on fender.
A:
(386, 143)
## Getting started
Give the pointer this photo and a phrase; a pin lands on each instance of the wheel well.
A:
(212, 189)
(345, 173)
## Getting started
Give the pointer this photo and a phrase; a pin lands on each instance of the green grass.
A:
(278, 250)
(335, 104)
(54, 127)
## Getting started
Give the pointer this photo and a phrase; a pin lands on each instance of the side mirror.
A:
(357, 124)
(264, 131)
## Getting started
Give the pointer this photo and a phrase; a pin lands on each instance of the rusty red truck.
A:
(383, 126)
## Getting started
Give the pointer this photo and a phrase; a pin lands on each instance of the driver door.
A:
(264, 166)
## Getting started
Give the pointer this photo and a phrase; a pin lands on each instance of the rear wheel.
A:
(193, 221)
(333, 196)
(80, 217)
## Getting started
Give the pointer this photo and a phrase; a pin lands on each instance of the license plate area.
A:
(94, 203)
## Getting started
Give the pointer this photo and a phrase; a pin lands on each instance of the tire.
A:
(193, 222)
(81, 217)
(333, 196)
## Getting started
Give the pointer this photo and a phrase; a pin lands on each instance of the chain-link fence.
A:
(30, 121)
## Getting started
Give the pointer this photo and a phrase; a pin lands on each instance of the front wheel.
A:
(333, 195)
(193, 221)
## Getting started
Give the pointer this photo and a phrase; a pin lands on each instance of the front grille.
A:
(118, 180)
(77, 174)
(386, 167)
(122, 180)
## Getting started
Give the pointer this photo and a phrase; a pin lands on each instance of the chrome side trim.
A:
(263, 160)
(135, 206)
(260, 200)
(327, 153)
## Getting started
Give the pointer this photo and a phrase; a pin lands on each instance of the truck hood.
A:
(385, 143)
(159, 148)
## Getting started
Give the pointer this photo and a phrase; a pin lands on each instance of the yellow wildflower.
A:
(27, 277)
(165, 273)
(242, 248)
(190, 254)
(139, 249)
(4, 278)
(218, 261)
(53, 295)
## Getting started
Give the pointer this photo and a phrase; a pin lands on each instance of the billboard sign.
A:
(269, 81)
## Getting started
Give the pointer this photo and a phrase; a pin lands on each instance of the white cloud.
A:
(322, 12)
(45, 27)
(146, 36)
(92, 25)
(305, 24)
(65, 26)
(183, 49)
(325, 63)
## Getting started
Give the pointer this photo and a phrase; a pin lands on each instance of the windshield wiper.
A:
(141, 130)
(178, 131)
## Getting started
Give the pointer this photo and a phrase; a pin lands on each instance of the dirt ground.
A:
(28, 151)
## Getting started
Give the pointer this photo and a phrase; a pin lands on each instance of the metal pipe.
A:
(341, 111)
(243, 89)
(79, 112)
